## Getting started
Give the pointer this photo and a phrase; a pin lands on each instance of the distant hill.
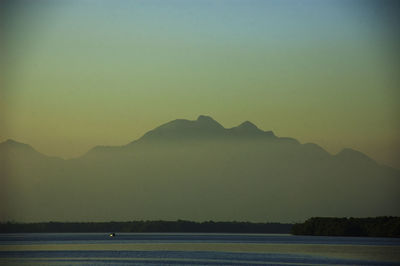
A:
(196, 170)
(178, 226)
(327, 226)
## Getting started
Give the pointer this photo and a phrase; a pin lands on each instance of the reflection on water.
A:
(195, 249)
(173, 257)
(123, 238)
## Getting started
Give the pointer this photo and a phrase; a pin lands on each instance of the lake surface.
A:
(195, 249)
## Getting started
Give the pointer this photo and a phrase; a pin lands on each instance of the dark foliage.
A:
(146, 226)
(374, 227)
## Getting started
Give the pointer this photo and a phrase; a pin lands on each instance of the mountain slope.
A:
(199, 170)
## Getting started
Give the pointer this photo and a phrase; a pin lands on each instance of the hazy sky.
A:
(76, 74)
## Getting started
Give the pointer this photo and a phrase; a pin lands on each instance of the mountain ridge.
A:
(196, 170)
(245, 130)
(203, 128)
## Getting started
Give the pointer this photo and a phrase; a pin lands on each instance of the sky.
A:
(76, 74)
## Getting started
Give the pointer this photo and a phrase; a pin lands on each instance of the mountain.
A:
(13, 148)
(204, 127)
(196, 170)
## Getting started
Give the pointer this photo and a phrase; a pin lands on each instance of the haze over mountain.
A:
(196, 170)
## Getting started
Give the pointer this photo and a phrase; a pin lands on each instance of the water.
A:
(195, 249)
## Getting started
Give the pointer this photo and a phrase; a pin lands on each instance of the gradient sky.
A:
(82, 73)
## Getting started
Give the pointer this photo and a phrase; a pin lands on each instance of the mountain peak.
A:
(208, 121)
(350, 154)
(248, 126)
(11, 147)
(205, 118)
(10, 143)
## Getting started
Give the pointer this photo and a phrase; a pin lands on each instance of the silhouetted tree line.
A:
(374, 227)
(146, 226)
